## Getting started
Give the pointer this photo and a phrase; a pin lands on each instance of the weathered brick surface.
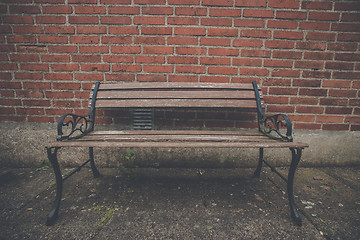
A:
(305, 54)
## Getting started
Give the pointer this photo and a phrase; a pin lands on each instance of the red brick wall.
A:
(306, 54)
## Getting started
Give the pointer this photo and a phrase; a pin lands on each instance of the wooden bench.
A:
(143, 97)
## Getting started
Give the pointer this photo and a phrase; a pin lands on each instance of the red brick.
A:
(347, 56)
(86, 58)
(81, 1)
(309, 64)
(281, 44)
(120, 77)
(215, 61)
(58, 76)
(350, 6)
(151, 78)
(293, 35)
(287, 54)
(55, 58)
(224, 22)
(346, 75)
(282, 24)
(342, 93)
(255, 33)
(306, 83)
(183, 78)
(64, 67)
(258, 13)
(349, 37)
(66, 86)
(333, 101)
(84, 39)
(278, 63)
(254, 3)
(150, 2)
(304, 101)
(283, 91)
(124, 30)
(124, 2)
(158, 69)
(224, 51)
(126, 68)
(149, 40)
(126, 49)
(21, 39)
(355, 127)
(338, 110)
(291, 14)
(190, 31)
(318, 55)
(317, 5)
(311, 45)
(90, 10)
(255, 53)
(247, 43)
(285, 73)
(345, 27)
(324, 16)
(277, 82)
(58, 9)
(339, 65)
(157, 10)
(254, 71)
(18, 19)
(140, 20)
(90, 29)
(215, 79)
(124, 10)
(223, 70)
(184, 2)
(276, 99)
(352, 119)
(335, 127)
(94, 49)
(32, 103)
(89, 76)
(182, 41)
(26, 29)
(34, 67)
(250, 23)
(309, 109)
(190, 69)
(284, 4)
(62, 49)
(149, 59)
(115, 20)
(53, 39)
(116, 39)
(324, 26)
(221, 12)
(182, 60)
(28, 75)
(215, 41)
(280, 108)
(30, 111)
(350, 17)
(50, 20)
(312, 92)
(308, 126)
(336, 84)
(37, 85)
(342, 46)
(191, 50)
(226, 3)
(156, 30)
(117, 59)
(95, 67)
(60, 29)
(24, 57)
(191, 11)
(225, 32)
(27, 9)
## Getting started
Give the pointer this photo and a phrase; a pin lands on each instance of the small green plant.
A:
(43, 166)
(129, 166)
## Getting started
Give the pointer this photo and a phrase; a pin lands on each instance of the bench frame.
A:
(270, 126)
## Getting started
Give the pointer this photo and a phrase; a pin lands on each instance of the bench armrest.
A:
(275, 125)
(72, 126)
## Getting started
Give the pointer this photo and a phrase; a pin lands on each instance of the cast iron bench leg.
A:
(296, 155)
(259, 166)
(52, 155)
(92, 163)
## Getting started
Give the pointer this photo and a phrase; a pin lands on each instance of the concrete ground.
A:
(149, 203)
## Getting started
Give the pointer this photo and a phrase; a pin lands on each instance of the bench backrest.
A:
(134, 95)
(143, 97)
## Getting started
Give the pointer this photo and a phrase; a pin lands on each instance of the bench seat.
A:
(177, 139)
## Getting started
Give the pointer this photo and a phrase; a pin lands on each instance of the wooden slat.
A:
(176, 132)
(139, 85)
(101, 103)
(175, 95)
(269, 144)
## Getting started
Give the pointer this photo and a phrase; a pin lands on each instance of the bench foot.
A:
(296, 155)
(52, 155)
(95, 171)
(259, 166)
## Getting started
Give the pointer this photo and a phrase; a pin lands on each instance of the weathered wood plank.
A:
(129, 103)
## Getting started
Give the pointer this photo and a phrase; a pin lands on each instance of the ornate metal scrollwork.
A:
(72, 124)
(272, 125)
(77, 126)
